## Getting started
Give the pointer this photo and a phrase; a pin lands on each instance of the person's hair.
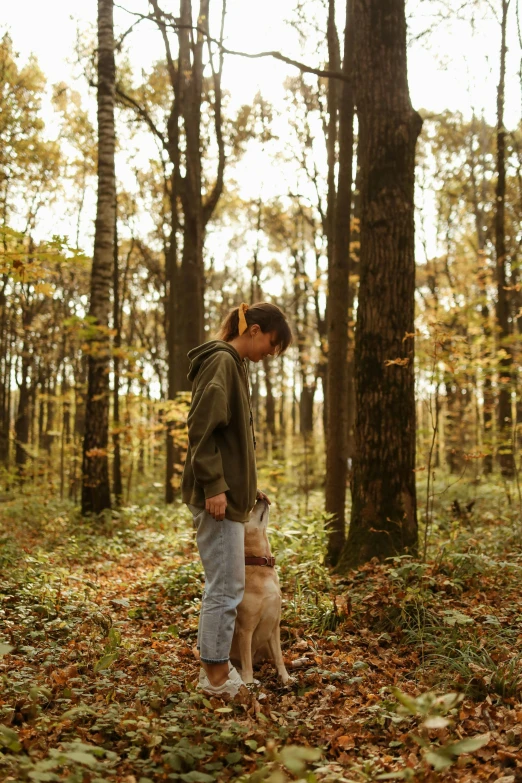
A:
(269, 317)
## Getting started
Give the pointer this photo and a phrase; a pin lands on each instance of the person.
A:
(219, 482)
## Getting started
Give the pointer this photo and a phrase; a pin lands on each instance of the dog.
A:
(257, 635)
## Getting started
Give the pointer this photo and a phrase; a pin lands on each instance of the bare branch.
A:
(170, 59)
(119, 43)
(143, 113)
(174, 24)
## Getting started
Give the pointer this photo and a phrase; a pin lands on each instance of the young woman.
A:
(219, 480)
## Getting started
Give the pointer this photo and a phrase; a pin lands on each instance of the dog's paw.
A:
(251, 682)
(287, 679)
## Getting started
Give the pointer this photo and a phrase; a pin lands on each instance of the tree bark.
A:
(384, 508)
(192, 272)
(337, 313)
(5, 376)
(505, 446)
(306, 407)
(95, 467)
(22, 420)
(270, 409)
(116, 309)
(186, 280)
(478, 201)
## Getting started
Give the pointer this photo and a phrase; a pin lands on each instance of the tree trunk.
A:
(337, 388)
(454, 427)
(306, 408)
(22, 420)
(482, 279)
(116, 457)
(384, 508)
(270, 411)
(505, 446)
(186, 281)
(80, 390)
(282, 404)
(172, 294)
(27, 388)
(192, 272)
(95, 468)
(5, 377)
(66, 431)
(50, 421)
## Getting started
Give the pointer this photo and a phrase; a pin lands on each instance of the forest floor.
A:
(405, 671)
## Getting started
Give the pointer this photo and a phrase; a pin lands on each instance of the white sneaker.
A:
(230, 687)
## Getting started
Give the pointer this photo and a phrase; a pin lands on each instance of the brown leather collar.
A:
(262, 561)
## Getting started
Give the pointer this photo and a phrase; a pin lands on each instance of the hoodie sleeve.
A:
(209, 411)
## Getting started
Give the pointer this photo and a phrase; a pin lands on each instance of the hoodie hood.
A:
(198, 355)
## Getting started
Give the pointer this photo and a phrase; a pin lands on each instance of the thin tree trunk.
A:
(5, 376)
(270, 413)
(306, 408)
(505, 446)
(282, 405)
(337, 389)
(66, 430)
(22, 421)
(482, 278)
(95, 468)
(384, 507)
(116, 457)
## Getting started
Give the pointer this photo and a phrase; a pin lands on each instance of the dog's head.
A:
(256, 537)
(259, 515)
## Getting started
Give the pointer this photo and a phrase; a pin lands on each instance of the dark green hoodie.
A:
(220, 456)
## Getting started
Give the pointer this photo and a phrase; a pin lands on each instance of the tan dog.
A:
(256, 635)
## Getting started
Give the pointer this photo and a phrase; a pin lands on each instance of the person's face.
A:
(261, 344)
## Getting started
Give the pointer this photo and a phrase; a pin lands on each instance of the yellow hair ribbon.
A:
(243, 326)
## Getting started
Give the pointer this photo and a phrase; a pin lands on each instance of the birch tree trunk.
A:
(384, 508)
(95, 470)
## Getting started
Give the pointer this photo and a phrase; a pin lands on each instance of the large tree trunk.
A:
(186, 281)
(95, 469)
(505, 446)
(384, 508)
(192, 272)
(337, 389)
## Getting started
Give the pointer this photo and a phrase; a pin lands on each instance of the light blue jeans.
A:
(221, 547)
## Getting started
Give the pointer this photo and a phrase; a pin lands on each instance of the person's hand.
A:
(261, 496)
(216, 506)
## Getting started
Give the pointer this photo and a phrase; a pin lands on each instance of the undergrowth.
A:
(98, 618)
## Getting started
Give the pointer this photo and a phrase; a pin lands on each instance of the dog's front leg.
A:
(244, 637)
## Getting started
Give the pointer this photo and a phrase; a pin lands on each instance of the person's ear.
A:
(255, 329)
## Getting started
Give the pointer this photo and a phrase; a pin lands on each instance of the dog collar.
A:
(261, 561)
